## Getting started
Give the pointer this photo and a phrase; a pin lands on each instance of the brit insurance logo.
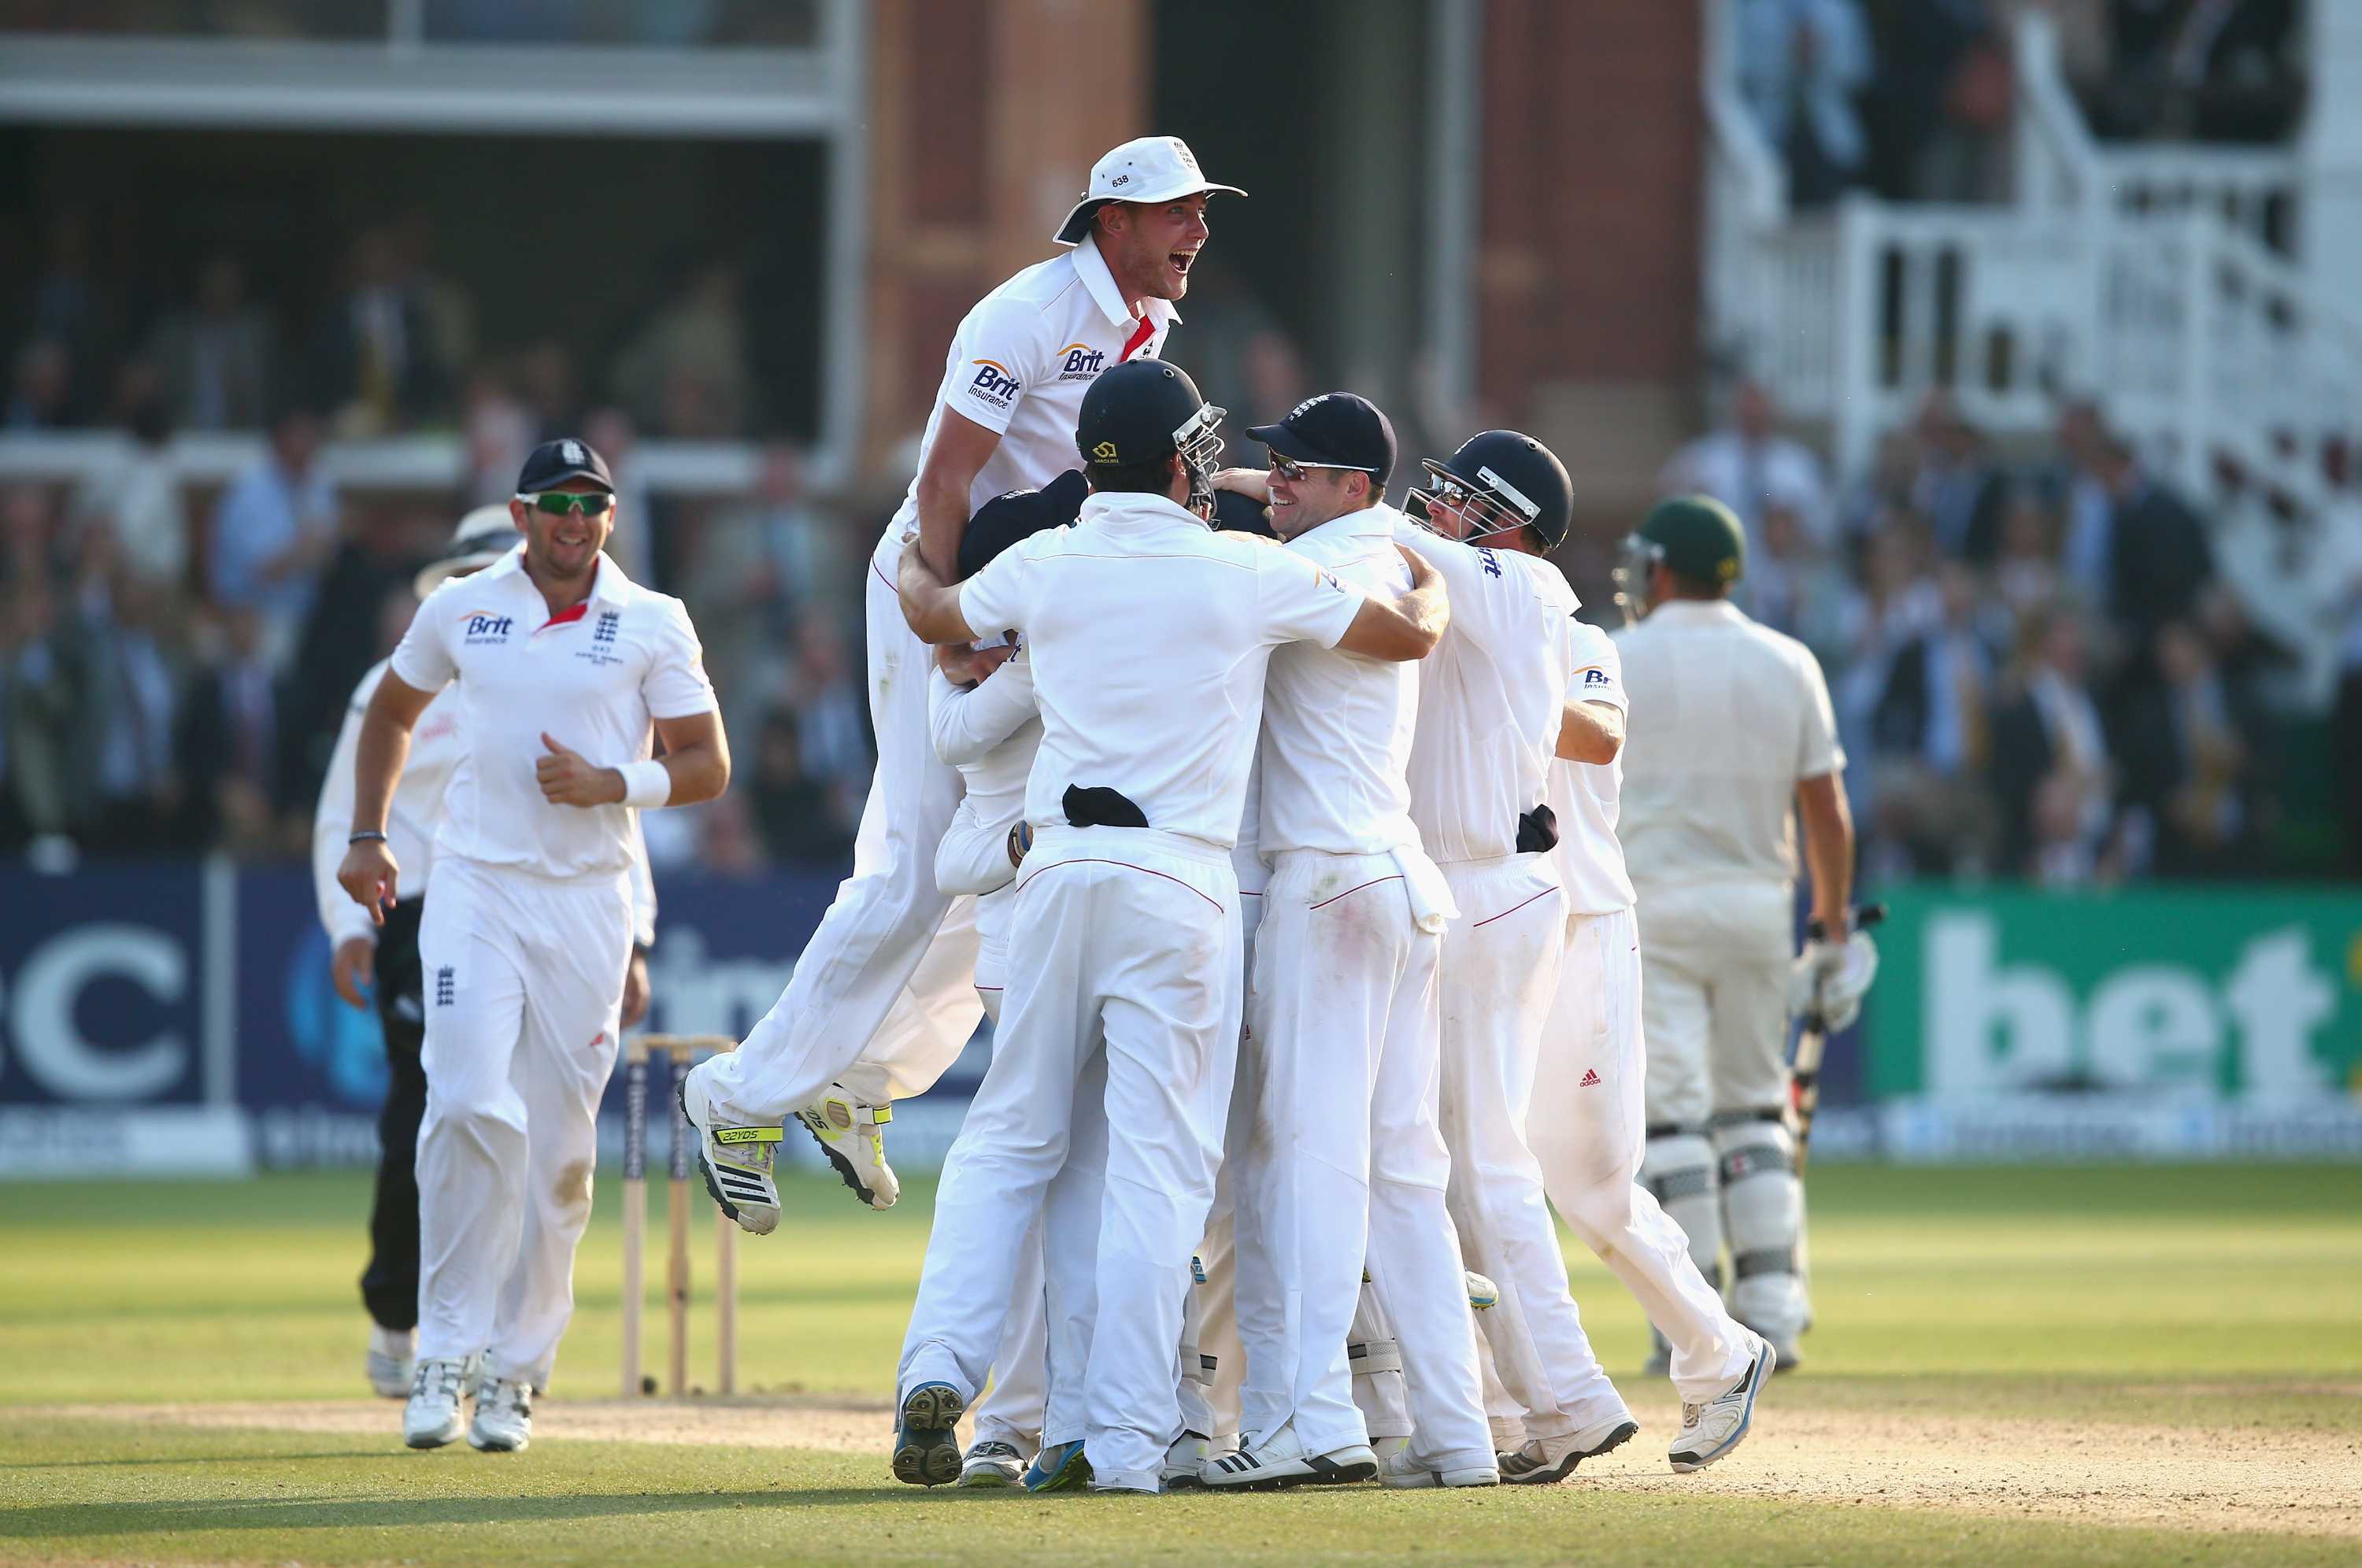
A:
(995, 384)
(1081, 362)
(482, 628)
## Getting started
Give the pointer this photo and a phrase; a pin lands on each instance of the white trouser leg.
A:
(1012, 1411)
(1376, 1359)
(1502, 1412)
(577, 946)
(1585, 1128)
(887, 914)
(1500, 974)
(1677, 1017)
(1210, 1329)
(1070, 1255)
(472, 1146)
(1413, 1260)
(930, 1022)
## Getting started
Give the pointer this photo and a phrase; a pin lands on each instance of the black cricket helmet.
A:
(1498, 482)
(1144, 410)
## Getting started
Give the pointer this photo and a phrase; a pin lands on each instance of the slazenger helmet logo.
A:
(1104, 451)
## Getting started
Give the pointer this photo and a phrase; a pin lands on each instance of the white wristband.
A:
(646, 784)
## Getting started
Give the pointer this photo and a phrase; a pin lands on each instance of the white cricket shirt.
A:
(1490, 696)
(1020, 364)
(1336, 726)
(1727, 716)
(1585, 795)
(1149, 635)
(990, 735)
(595, 677)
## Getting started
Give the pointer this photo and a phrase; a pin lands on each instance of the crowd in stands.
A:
(1912, 98)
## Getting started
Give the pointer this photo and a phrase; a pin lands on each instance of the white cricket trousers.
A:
(1123, 945)
(1499, 975)
(1012, 1411)
(1343, 1163)
(866, 960)
(1586, 1127)
(523, 984)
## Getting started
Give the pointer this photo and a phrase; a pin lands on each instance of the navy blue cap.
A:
(552, 463)
(1335, 430)
(1019, 514)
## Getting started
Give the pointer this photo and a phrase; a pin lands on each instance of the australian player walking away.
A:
(1730, 724)
(1014, 384)
(565, 667)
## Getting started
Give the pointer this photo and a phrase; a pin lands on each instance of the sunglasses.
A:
(1293, 472)
(559, 502)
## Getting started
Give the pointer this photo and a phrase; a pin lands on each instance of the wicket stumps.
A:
(680, 1051)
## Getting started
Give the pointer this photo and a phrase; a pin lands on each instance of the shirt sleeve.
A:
(1818, 751)
(332, 823)
(1302, 602)
(967, 726)
(423, 659)
(995, 361)
(993, 600)
(675, 685)
(1598, 669)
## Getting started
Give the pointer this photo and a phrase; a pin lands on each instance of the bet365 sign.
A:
(2247, 994)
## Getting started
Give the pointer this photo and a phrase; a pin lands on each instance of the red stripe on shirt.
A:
(1139, 338)
(572, 612)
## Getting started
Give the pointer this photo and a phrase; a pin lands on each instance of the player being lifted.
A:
(1013, 387)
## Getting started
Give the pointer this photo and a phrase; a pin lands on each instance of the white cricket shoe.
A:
(847, 1131)
(1399, 1470)
(432, 1416)
(736, 1162)
(1184, 1463)
(389, 1362)
(1545, 1461)
(503, 1422)
(1280, 1460)
(992, 1464)
(1712, 1429)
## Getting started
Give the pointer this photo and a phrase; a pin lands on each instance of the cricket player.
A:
(1341, 1161)
(564, 668)
(1013, 384)
(366, 957)
(1124, 938)
(984, 721)
(1730, 722)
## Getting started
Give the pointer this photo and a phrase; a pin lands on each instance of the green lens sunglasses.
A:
(559, 502)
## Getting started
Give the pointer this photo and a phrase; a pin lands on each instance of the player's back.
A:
(1489, 696)
(1726, 715)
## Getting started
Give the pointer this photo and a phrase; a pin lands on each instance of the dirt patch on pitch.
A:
(2212, 1479)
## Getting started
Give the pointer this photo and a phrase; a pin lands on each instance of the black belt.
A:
(1098, 806)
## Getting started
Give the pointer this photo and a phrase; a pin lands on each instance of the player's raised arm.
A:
(957, 454)
(1407, 626)
(930, 605)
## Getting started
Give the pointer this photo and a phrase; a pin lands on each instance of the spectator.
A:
(275, 528)
(760, 569)
(2202, 69)
(41, 676)
(500, 433)
(2159, 561)
(2083, 441)
(2051, 776)
(130, 701)
(2345, 720)
(1800, 64)
(1748, 462)
(831, 722)
(1794, 587)
(1959, 487)
(215, 358)
(230, 740)
(1940, 99)
(70, 312)
(699, 335)
(374, 354)
(2188, 753)
(546, 381)
(38, 397)
(1931, 726)
(633, 543)
(2025, 572)
(801, 825)
(138, 500)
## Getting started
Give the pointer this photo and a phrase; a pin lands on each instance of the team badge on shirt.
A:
(995, 383)
(1081, 362)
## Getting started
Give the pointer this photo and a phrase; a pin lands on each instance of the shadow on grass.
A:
(194, 1459)
(370, 1513)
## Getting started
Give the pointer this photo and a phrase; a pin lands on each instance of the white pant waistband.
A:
(1049, 843)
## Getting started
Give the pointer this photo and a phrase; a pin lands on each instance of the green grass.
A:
(2226, 1298)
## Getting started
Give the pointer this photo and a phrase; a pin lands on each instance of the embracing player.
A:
(1004, 420)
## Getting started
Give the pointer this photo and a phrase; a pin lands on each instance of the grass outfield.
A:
(2105, 1322)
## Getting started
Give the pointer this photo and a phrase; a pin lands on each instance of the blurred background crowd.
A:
(2039, 669)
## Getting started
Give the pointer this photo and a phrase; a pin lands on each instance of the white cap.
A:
(1151, 168)
(483, 537)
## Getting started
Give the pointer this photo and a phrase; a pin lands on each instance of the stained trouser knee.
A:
(1763, 1211)
(1678, 1169)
